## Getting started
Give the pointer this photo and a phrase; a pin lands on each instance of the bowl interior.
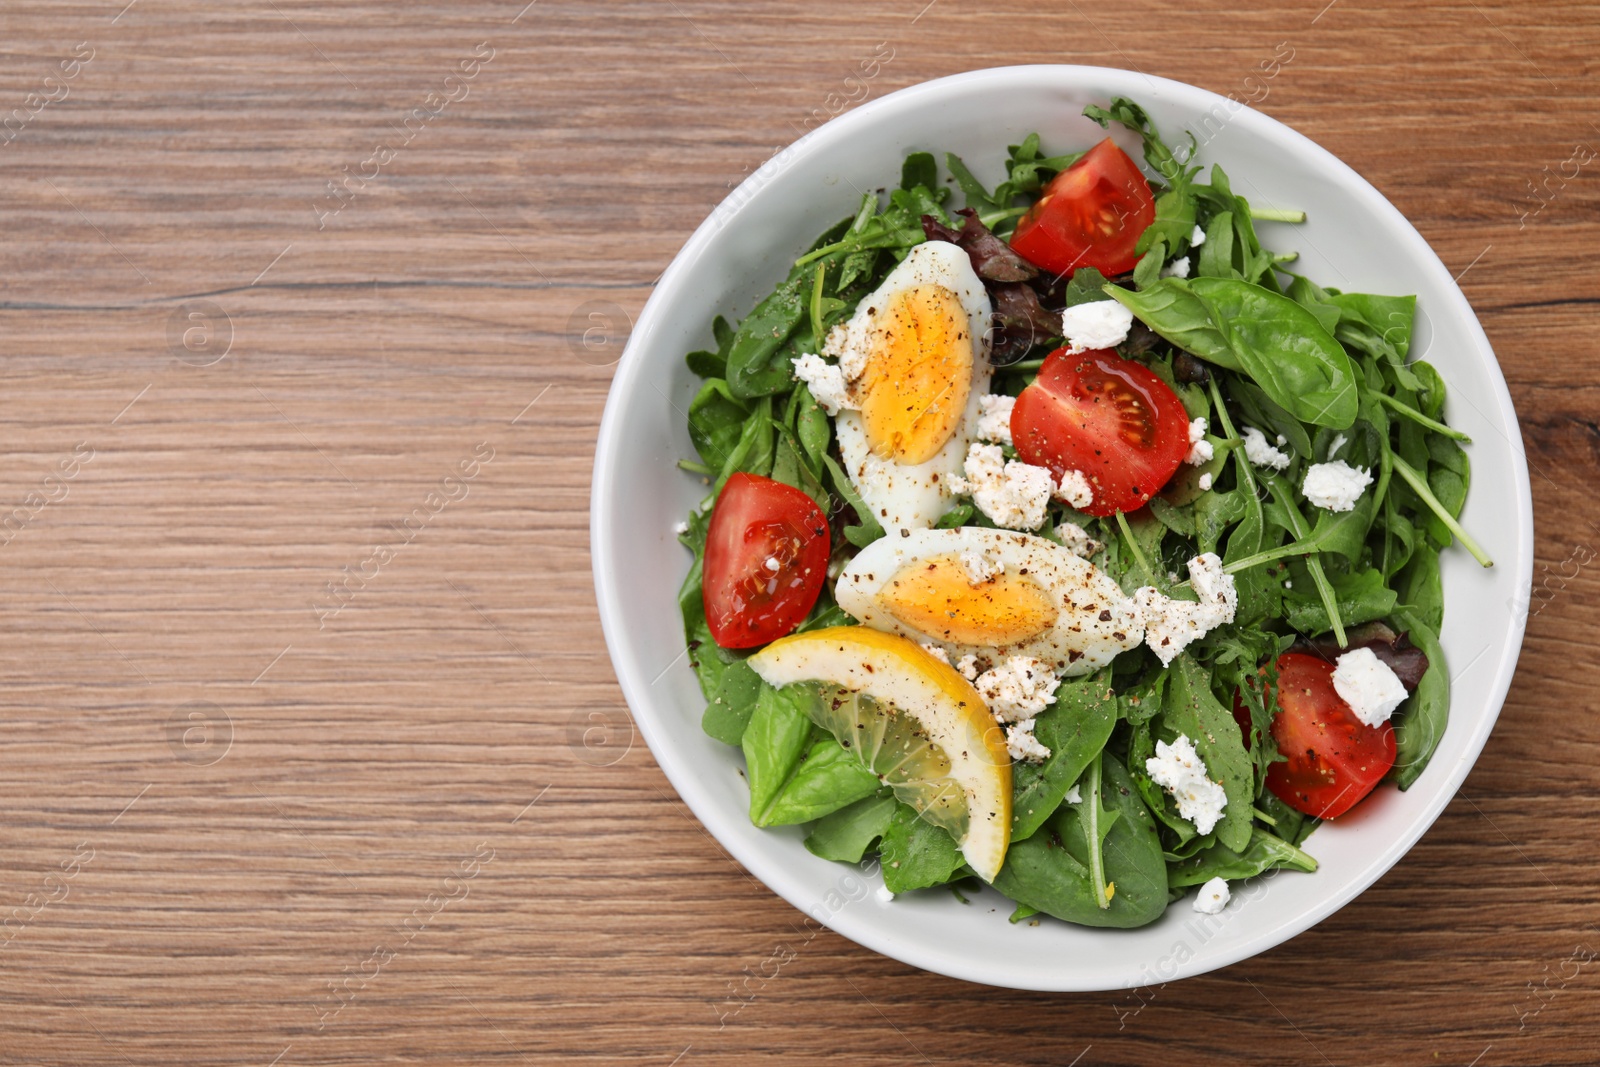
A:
(1354, 240)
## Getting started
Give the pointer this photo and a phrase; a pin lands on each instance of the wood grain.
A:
(269, 816)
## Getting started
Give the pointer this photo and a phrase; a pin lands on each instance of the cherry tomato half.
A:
(766, 559)
(1106, 416)
(1334, 759)
(1091, 215)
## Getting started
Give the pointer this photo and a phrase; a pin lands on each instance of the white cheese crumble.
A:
(994, 417)
(1073, 796)
(1260, 453)
(850, 343)
(1022, 745)
(1335, 486)
(1018, 689)
(1200, 450)
(1075, 490)
(936, 652)
(1075, 539)
(1339, 441)
(980, 566)
(1178, 268)
(1179, 770)
(1012, 493)
(1368, 685)
(680, 528)
(1205, 482)
(967, 667)
(1213, 897)
(1197, 238)
(1170, 626)
(826, 382)
(1097, 324)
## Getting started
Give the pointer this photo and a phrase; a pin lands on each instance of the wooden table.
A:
(272, 795)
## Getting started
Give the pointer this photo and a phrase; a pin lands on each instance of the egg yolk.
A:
(918, 374)
(935, 597)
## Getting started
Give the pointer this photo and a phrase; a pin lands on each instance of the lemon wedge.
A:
(915, 722)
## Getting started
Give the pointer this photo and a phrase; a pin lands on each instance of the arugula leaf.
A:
(1193, 710)
(919, 169)
(1361, 597)
(1264, 852)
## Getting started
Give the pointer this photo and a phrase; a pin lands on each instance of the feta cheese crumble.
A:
(1179, 770)
(1368, 685)
(1170, 625)
(980, 566)
(1205, 482)
(967, 667)
(680, 528)
(936, 652)
(1097, 324)
(1073, 796)
(1213, 897)
(1335, 486)
(1075, 490)
(826, 382)
(850, 343)
(1260, 453)
(1022, 745)
(1077, 540)
(1012, 493)
(1178, 268)
(1018, 689)
(1339, 441)
(1200, 450)
(994, 417)
(1197, 238)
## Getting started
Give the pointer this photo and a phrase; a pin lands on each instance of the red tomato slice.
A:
(1091, 215)
(1334, 759)
(766, 559)
(1106, 416)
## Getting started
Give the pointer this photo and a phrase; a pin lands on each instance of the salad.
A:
(1069, 541)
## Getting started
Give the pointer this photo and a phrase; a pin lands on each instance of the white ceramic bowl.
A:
(1355, 240)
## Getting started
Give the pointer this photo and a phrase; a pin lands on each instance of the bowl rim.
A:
(605, 526)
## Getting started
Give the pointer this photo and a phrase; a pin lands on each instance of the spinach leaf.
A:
(731, 706)
(1049, 871)
(1379, 326)
(1362, 596)
(709, 660)
(716, 422)
(915, 853)
(1216, 255)
(1283, 348)
(846, 834)
(1264, 852)
(778, 733)
(827, 779)
(1421, 723)
(1247, 328)
(1193, 710)
(752, 370)
(1074, 729)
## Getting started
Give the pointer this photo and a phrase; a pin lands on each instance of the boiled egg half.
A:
(991, 594)
(915, 356)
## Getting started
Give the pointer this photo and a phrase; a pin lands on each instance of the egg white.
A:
(902, 496)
